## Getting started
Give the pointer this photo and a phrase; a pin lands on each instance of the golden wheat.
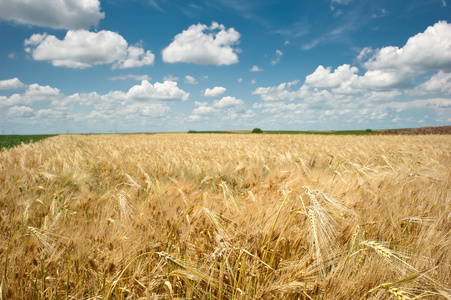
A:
(180, 216)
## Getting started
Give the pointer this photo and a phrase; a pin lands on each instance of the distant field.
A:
(8, 141)
(331, 132)
(226, 216)
(439, 130)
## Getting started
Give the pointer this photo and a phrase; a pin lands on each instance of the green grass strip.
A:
(9, 141)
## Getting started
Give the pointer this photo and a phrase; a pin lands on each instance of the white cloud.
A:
(153, 110)
(41, 92)
(131, 76)
(215, 92)
(81, 112)
(438, 83)
(170, 78)
(228, 102)
(423, 52)
(198, 103)
(50, 113)
(194, 118)
(281, 92)
(345, 80)
(436, 103)
(204, 45)
(364, 53)
(381, 79)
(168, 90)
(255, 69)
(136, 58)
(86, 99)
(278, 56)
(382, 95)
(323, 78)
(257, 105)
(190, 80)
(11, 84)
(57, 14)
(33, 93)
(392, 68)
(20, 112)
(279, 107)
(204, 110)
(82, 49)
(240, 80)
(225, 109)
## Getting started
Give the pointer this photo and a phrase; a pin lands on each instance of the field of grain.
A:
(183, 216)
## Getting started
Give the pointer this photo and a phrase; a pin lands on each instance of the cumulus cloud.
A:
(20, 112)
(204, 45)
(11, 84)
(82, 49)
(255, 69)
(33, 93)
(190, 80)
(382, 79)
(225, 109)
(41, 92)
(228, 102)
(324, 78)
(136, 57)
(204, 110)
(168, 90)
(345, 80)
(215, 92)
(391, 68)
(57, 14)
(82, 112)
(423, 52)
(281, 92)
(438, 83)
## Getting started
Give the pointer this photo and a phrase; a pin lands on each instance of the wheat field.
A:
(230, 216)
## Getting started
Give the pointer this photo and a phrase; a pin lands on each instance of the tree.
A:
(257, 130)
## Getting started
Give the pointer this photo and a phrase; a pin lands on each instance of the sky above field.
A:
(82, 66)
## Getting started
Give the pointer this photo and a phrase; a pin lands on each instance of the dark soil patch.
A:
(416, 131)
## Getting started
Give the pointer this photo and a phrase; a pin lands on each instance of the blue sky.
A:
(160, 65)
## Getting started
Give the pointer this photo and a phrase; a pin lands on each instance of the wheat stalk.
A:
(381, 250)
